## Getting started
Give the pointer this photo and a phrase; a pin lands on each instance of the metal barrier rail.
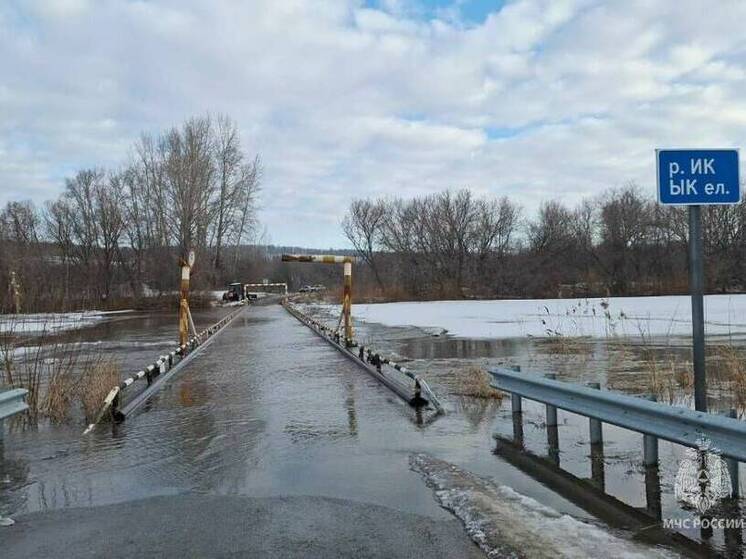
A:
(373, 362)
(372, 356)
(265, 285)
(656, 421)
(166, 362)
(11, 402)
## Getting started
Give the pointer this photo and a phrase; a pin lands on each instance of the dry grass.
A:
(96, 381)
(475, 382)
(55, 373)
(62, 387)
(567, 345)
(667, 379)
(731, 371)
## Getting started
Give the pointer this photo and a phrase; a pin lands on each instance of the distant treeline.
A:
(456, 244)
(116, 235)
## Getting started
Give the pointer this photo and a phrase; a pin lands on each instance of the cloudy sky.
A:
(531, 99)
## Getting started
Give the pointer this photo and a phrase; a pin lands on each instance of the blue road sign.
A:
(698, 176)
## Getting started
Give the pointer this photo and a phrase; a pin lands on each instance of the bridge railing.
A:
(168, 362)
(652, 419)
(373, 362)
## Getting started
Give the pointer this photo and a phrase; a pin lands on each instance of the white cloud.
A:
(344, 100)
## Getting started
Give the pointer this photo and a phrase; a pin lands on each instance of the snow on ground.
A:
(505, 523)
(52, 322)
(614, 316)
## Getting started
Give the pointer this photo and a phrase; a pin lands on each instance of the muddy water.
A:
(270, 409)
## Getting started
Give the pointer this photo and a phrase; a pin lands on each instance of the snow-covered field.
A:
(52, 322)
(615, 316)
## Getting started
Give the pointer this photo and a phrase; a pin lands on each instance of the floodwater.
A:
(270, 409)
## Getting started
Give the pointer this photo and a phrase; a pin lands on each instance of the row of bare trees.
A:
(116, 234)
(438, 242)
(454, 244)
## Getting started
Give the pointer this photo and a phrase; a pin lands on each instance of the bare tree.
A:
(189, 174)
(363, 226)
(626, 219)
(230, 171)
(108, 196)
(495, 225)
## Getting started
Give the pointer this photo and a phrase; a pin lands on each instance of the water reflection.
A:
(14, 473)
(455, 348)
(588, 495)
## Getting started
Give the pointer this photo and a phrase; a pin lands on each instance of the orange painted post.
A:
(347, 288)
(186, 268)
(347, 303)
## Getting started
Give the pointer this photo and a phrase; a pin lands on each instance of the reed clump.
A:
(475, 383)
(731, 371)
(59, 377)
(96, 381)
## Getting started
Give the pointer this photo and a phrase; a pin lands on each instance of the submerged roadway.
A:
(270, 444)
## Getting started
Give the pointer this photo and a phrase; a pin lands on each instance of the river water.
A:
(269, 409)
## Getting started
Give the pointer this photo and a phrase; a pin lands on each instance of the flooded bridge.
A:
(273, 442)
(270, 412)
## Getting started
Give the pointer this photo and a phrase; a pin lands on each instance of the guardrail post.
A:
(653, 490)
(733, 465)
(516, 405)
(650, 445)
(598, 475)
(552, 430)
(596, 429)
(551, 410)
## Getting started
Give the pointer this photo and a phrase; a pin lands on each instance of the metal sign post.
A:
(697, 177)
(697, 290)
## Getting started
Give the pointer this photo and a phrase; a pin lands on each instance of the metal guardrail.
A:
(169, 363)
(373, 362)
(11, 402)
(679, 425)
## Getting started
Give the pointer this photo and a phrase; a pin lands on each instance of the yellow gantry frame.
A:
(347, 290)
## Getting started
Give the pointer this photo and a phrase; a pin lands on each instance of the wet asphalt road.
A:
(193, 525)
